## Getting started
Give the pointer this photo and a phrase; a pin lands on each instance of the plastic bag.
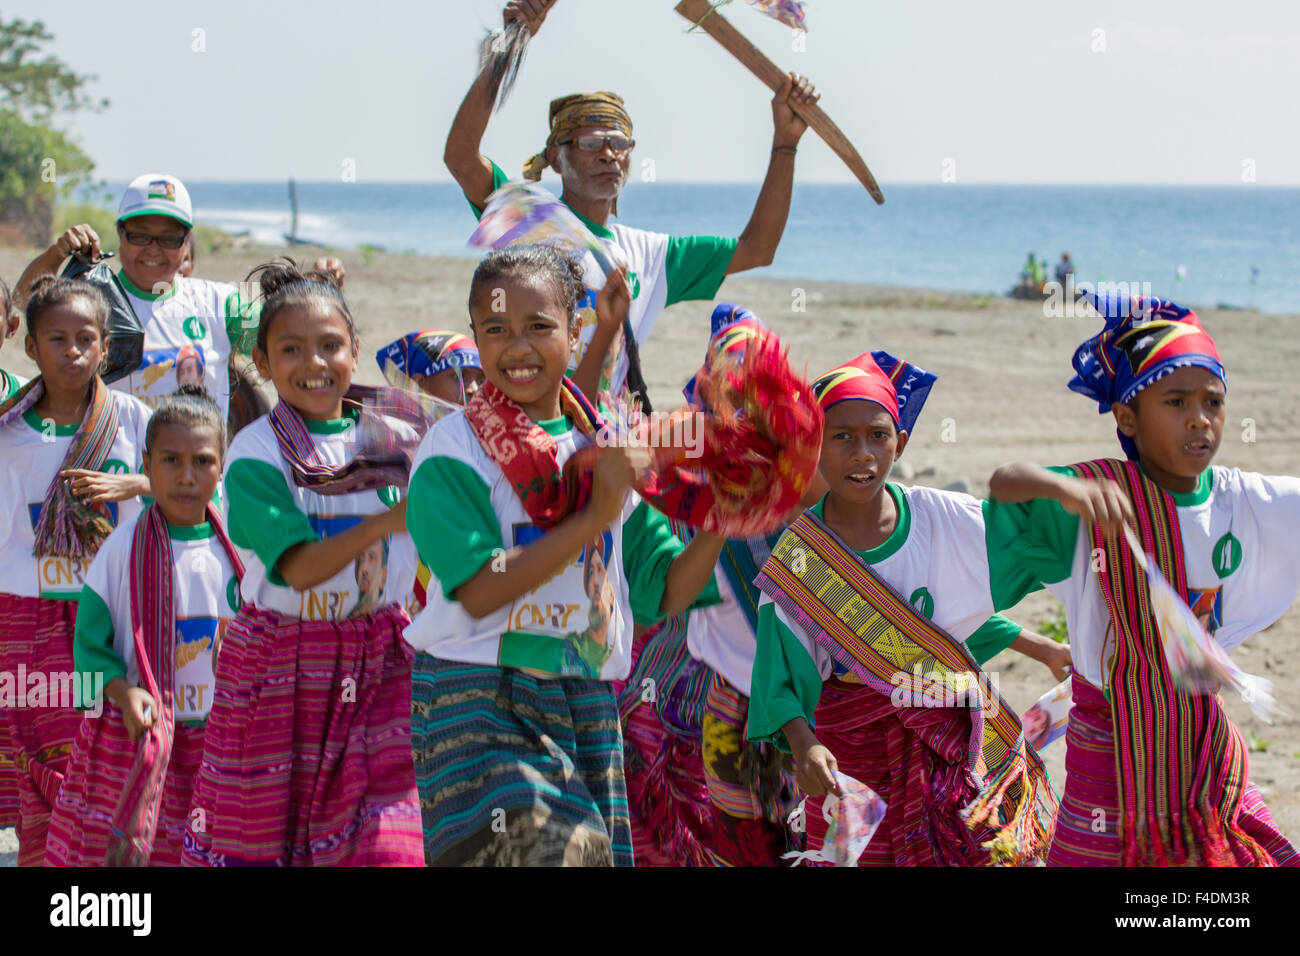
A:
(125, 332)
(1196, 661)
(851, 822)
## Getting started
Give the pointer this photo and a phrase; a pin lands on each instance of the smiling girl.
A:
(538, 574)
(308, 753)
(172, 576)
(71, 449)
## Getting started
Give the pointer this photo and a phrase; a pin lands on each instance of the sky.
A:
(1014, 91)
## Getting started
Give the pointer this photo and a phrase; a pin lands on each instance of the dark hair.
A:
(48, 293)
(565, 274)
(190, 407)
(285, 285)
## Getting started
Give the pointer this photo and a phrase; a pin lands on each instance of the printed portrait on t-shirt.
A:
(189, 366)
(1208, 607)
(588, 650)
(371, 573)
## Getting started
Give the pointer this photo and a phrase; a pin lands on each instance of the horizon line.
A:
(754, 183)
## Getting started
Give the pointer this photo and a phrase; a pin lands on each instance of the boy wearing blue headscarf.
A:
(1156, 774)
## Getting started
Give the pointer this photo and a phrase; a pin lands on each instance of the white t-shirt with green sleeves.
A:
(32, 452)
(189, 334)
(205, 593)
(1241, 548)
(935, 557)
(463, 513)
(267, 513)
(662, 271)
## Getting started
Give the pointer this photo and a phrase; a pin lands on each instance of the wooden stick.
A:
(702, 14)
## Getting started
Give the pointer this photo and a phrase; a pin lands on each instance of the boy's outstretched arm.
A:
(815, 765)
(690, 571)
(1095, 502)
(462, 156)
(1055, 657)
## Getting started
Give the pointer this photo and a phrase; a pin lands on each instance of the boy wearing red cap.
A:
(876, 607)
(1155, 774)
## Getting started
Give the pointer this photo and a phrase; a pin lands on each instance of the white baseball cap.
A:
(156, 194)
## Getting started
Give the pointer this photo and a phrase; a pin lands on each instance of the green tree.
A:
(38, 87)
(38, 162)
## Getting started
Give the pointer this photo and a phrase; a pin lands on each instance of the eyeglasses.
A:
(594, 143)
(143, 239)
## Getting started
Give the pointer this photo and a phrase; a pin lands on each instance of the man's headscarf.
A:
(429, 352)
(574, 112)
(1144, 340)
(731, 330)
(899, 387)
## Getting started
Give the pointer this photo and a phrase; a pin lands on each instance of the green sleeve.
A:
(785, 682)
(263, 515)
(499, 179)
(696, 266)
(993, 637)
(450, 517)
(8, 385)
(649, 547)
(1030, 543)
(242, 319)
(92, 644)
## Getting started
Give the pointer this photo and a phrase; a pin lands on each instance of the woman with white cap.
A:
(180, 314)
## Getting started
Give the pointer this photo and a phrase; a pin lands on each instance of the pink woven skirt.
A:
(307, 756)
(36, 737)
(81, 824)
(1087, 826)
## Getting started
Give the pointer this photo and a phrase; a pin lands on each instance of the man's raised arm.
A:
(466, 163)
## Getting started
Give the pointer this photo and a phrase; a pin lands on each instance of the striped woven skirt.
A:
(1087, 825)
(913, 757)
(35, 640)
(81, 824)
(751, 790)
(517, 770)
(662, 709)
(307, 758)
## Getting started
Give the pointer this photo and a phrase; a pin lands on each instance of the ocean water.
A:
(1200, 246)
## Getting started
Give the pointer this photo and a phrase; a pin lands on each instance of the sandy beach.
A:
(1001, 396)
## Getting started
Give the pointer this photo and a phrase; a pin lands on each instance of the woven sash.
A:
(741, 560)
(384, 450)
(1181, 764)
(67, 527)
(872, 630)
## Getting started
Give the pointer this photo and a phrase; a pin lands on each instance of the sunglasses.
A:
(594, 143)
(143, 239)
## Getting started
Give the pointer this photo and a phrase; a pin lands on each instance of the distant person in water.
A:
(1064, 269)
